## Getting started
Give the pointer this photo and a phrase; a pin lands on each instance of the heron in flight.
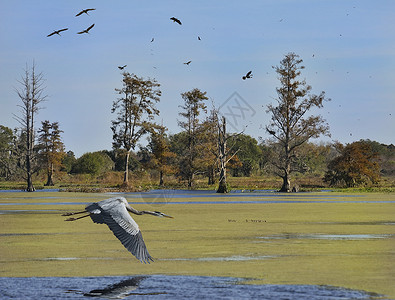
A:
(85, 11)
(248, 75)
(175, 20)
(114, 213)
(57, 32)
(86, 30)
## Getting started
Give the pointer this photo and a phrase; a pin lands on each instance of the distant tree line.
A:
(355, 164)
(202, 147)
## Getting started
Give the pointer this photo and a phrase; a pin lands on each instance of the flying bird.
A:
(57, 32)
(175, 20)
(248, 75)
(114, 213)
(85, 11)
(199, 38)
(187, 63)
(152, 40)
(122, 67)
(86, 30)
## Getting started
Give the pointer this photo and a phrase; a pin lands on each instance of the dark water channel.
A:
(165, 287)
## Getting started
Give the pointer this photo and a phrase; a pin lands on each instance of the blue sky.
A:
(347, 47)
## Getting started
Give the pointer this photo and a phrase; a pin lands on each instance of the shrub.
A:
(92, 163)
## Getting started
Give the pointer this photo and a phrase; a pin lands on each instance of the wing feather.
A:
(116, 217)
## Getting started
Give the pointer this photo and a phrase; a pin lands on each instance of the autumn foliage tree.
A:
(290, 125)
(51, 148)
(161, 155)
(207, 146)
(356, 165)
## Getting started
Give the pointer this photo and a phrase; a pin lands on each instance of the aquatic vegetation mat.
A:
(318, 239)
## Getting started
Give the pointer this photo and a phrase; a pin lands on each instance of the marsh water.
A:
(196, 287)
(166, 287)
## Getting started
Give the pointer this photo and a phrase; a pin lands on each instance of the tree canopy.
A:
(135, 111)
(356, 165)
(290, 124)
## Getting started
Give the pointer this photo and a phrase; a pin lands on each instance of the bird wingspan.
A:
(117, 218)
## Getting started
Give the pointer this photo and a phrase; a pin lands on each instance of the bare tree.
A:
(290, 126)
(31, 95)
(135, 112)
(224, 154)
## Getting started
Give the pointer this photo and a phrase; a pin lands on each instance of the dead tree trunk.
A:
(126, 174)
(222, 157)
(50, 176)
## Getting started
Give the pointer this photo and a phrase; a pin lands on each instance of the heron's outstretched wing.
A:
(117, 218)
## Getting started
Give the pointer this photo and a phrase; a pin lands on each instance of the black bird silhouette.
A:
(199, 38)
(271, 132)
(86, 30)
(122, 67)
(85, 11)
(248, 75)
(188, 62)
(152, 40)
(175, 20)
(57, 32)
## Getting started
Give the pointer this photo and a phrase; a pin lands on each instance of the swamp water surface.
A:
(166, 287)
(297, 246)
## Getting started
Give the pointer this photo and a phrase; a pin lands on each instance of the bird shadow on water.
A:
(118, 290)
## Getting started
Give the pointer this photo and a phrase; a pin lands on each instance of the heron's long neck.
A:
(134, 211)
(140, 212)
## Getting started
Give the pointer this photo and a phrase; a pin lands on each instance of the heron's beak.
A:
(167, 216)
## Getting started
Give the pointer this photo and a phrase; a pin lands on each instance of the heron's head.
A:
(159, 214)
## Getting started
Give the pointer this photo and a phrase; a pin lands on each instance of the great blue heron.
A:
(114, 213)
(57, 32)
(85, 11)
(175, 20)
(248, 75)
(86, 30)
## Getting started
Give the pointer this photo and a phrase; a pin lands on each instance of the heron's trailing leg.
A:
(73, 213)
(75, 219)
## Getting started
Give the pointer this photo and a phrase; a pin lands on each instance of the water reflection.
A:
(120, 290)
